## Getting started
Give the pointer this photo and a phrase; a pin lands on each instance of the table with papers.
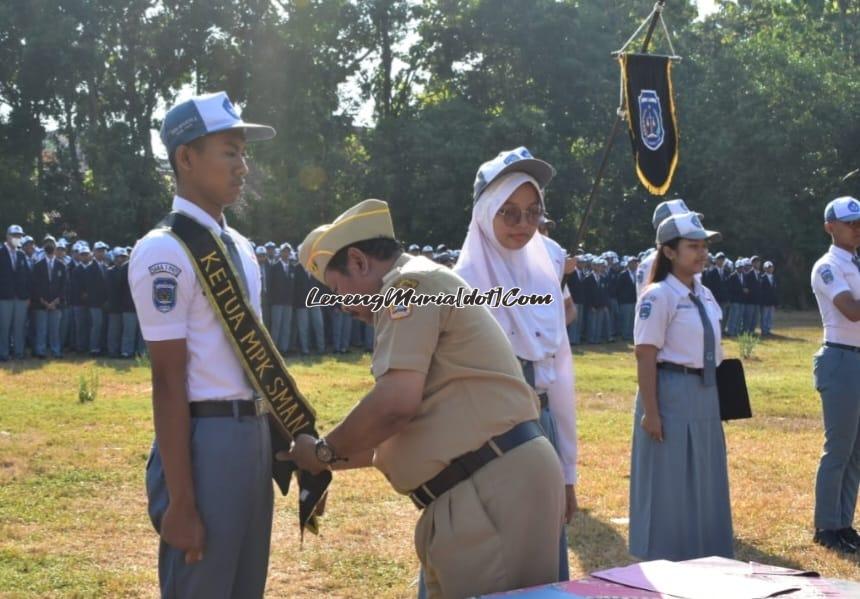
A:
(705, 578)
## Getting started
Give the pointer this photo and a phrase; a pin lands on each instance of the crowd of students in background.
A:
(62, 295)
(605, 289)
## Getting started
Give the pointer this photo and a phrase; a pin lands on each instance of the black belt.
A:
(227, 408)
(678, 368)
(842, 346)
(467, 464)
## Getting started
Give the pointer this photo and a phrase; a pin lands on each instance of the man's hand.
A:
(304, 454)
(182, 528)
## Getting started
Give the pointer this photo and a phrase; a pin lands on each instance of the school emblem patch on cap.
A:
(684, 226)
(202, 115)
(845, 209)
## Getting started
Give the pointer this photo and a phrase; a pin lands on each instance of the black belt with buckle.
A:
(842, 346)
(467, 464)
(227, 408)
(678, 368)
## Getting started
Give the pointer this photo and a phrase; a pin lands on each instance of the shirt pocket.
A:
(686, 326)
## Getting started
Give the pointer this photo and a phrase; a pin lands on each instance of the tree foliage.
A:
(766, 97)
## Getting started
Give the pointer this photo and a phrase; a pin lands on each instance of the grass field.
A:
(73, 515)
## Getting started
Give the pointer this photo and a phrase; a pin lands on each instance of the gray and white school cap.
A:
(845, 209)
(202, 115)
(684, 226)
(669, 208)
(509, 161)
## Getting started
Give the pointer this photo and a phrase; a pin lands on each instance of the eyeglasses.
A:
(513, 214)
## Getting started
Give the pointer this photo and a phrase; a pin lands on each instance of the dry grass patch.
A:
(73, 517)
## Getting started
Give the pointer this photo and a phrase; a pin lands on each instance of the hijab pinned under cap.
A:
(535, 332)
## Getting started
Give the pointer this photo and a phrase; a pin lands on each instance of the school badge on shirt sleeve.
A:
(402, 310)
(164, 294)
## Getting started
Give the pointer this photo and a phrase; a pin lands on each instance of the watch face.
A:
(324, 453)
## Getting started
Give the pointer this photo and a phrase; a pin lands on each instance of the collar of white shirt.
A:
(841, 254)
(678, 287)
(191, 209)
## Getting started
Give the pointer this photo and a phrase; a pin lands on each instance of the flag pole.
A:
(658, 8)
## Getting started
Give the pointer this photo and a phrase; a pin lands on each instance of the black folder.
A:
(732, 388)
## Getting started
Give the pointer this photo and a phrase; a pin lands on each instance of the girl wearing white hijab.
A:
(503, 248)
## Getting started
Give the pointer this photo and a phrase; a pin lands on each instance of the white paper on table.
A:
(691, 581)
(736, 567)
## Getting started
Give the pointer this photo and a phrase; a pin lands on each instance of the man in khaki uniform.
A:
(450, 420)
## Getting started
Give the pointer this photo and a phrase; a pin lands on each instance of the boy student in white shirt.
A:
(836, 283)
(213, 512)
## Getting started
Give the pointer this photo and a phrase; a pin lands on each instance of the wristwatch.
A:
(326, 454)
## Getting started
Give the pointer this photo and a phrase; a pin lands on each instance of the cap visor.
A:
(543, 172)
(253, 131)
(713, 236)
(850, 218)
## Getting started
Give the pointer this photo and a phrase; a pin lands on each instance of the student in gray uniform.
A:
(209, 474)
(769, 299)
(114, 277)
(65, 309)
(14, 294)
(576, 286)
(625, 290)
(49, 284)
(735, 288)
(679, 484)
(836, 283)
(281, 298)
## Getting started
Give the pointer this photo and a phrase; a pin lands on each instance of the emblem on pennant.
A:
(651, 120)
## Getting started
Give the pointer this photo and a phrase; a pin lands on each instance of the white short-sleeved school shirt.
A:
(171, 305)
(668, 319)
(833, 274)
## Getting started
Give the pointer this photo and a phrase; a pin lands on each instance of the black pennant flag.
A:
(651, 118)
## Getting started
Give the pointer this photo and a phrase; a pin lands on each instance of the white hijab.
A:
(536, 332)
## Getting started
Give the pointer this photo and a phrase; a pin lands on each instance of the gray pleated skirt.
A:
(550, 428)
(679, 489)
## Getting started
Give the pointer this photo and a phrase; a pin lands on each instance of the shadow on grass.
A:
(353, 356)
(778, 337)
(748, 553)
(616, 347)
(597, 544)
(15, 367)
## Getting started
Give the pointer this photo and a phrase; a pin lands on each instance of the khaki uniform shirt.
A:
(474, 388)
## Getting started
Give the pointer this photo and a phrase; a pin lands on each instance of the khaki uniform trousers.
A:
(498, 530)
